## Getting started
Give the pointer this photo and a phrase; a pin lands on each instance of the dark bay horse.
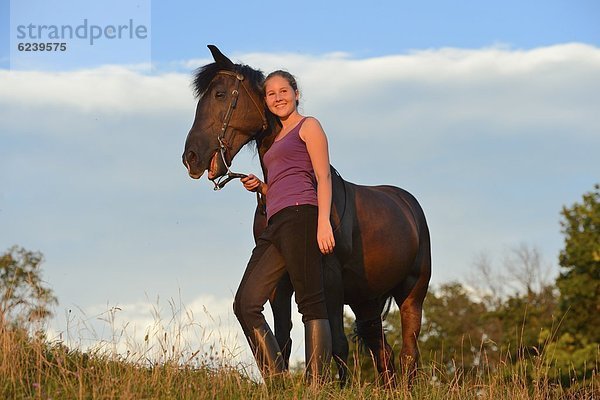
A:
(382, 239)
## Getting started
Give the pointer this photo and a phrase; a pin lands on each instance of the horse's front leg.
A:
(334, 297)
(281, 305)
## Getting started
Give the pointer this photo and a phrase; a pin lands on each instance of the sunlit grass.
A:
(165, 367)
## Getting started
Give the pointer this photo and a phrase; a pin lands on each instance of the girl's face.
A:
(280, 96)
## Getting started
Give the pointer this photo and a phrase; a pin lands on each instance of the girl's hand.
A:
(252, 183)
(325, 237)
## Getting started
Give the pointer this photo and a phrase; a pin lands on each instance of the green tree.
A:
(454, 331)
(576, 353)
(527, 323)
(579, 281)
(523, 312)
(23, 294)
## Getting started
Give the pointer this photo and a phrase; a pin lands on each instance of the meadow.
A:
(32, 367)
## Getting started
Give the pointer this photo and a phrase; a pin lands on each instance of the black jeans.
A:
(289, 243)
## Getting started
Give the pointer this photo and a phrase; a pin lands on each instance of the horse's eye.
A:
(219, 95)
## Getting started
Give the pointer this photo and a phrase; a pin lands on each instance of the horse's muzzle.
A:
(190, 160)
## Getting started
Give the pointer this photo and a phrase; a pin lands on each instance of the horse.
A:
(382, 239)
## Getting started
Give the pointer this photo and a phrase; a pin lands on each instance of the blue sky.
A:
(382, 27)
(486, 111)
(180, 28)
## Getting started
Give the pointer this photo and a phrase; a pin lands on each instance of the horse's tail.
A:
(387, 299)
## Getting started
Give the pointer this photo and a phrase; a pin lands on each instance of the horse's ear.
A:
(219, 57)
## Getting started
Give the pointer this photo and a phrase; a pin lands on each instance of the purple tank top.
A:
(290, 173)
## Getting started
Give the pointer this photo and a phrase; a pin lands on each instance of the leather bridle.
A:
(221, 181)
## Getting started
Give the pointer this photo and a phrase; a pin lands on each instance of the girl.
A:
(298, 199)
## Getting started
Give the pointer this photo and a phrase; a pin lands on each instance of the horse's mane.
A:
(203, 76)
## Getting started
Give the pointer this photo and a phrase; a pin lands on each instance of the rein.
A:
(223, 146)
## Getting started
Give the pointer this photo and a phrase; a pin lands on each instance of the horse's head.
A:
(230, 113)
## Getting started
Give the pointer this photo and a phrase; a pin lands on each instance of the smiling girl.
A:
(298, 198)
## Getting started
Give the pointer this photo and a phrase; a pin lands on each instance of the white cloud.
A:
(158, 330)
(109, 89)
(148, 327)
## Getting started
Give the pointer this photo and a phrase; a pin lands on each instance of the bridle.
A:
(223, 145)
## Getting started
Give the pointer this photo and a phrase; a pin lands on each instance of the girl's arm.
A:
(253, 184)
(316, 143)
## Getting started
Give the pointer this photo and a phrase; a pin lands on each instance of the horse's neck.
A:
(264, 144)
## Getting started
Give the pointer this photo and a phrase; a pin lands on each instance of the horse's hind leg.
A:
(409, 297)
(334, 297)
(410, 314)
(370, 329)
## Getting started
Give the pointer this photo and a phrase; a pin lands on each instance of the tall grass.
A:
(32, 367)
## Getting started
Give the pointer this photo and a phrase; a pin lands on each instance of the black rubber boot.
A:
(317, 342)
(267, 353)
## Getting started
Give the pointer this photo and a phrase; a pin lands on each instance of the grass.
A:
(31, 367)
